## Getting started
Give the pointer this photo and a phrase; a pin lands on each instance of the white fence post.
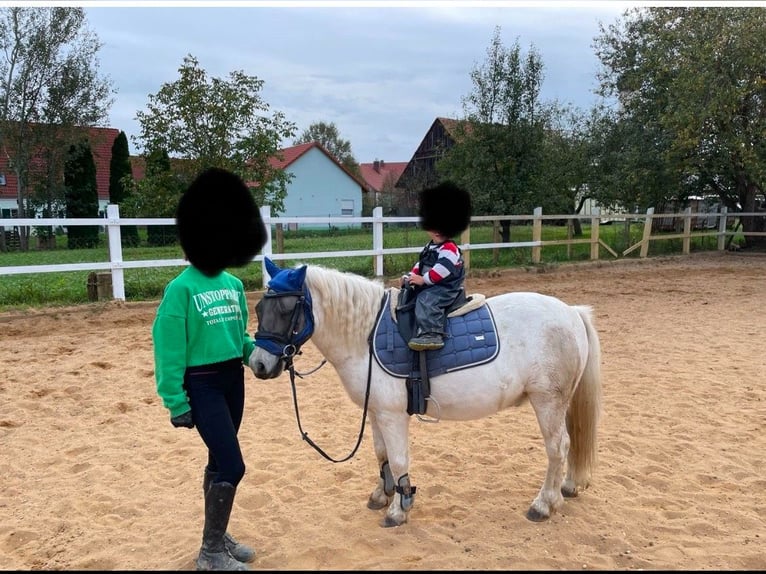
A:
(115, 250)
(267, 249)
(377, 240)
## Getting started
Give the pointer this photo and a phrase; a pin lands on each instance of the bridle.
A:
(288, 324)
(285, 323)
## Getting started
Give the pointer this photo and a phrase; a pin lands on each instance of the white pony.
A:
(548, 353)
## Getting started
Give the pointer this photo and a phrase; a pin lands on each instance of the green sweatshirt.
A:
(200, 320)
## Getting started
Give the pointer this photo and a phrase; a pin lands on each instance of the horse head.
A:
(285, 321)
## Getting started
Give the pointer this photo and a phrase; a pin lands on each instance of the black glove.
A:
(184, 420)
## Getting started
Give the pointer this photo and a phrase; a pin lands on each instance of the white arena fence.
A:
(112, 222)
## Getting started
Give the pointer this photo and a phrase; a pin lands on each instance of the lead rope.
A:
(304, 435)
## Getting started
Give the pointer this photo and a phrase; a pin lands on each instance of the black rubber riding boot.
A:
(238, 550)
(213, 554)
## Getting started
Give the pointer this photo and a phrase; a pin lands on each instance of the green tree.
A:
(157, 195)
(627, 168)
(328, 136)
(691, 84)
(49, 82)
(213, 122)
(81, 195)
(46, 190)
(565, 160)
(499, 145)
(120, 179)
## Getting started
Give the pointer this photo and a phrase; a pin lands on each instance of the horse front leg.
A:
(393, 429)
(384, 489)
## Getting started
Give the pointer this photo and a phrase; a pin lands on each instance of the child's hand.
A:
(416, 279)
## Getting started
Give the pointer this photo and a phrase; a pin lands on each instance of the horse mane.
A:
(344, 301)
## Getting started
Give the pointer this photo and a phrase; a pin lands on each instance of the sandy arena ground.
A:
(95, 477)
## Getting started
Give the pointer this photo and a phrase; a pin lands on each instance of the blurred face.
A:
(437, 237)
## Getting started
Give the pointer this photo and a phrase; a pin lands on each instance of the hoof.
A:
(569, 493)
(389, 522)
(535, 516)
(374, 505)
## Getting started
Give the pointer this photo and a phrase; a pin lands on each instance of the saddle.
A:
(471, 340)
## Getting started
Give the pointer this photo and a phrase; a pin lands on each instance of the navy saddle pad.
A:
(471, 340)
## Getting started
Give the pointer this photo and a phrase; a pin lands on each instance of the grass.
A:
(70, 288)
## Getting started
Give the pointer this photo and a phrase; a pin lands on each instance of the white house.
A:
(321, 186)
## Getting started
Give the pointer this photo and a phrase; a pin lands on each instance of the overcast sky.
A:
(381, 74)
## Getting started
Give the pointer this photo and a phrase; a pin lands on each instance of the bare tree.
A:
(49, 84)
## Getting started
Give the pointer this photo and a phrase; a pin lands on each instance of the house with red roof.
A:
(101, 141)
(380, 178)
(321, 186)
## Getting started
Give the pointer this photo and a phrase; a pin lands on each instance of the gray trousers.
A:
(430, 306)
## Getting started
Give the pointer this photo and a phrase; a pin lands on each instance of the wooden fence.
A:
(112, 223)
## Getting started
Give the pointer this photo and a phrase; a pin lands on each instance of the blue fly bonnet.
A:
(285, 317)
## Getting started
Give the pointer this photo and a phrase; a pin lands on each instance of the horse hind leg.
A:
(569, 488)
(551, 418)
(579, 458)
(569, 485)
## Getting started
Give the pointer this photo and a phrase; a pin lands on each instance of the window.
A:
(2, 178)
(347, 207)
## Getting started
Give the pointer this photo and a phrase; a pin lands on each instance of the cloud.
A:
(380, 74)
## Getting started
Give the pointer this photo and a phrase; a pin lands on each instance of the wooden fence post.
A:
(280, 233)
(647, 233)
(92, 286)
(465, 240)
(686, 241)
(722, 229)
(595, 229)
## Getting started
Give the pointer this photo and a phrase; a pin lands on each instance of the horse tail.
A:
(585, 407)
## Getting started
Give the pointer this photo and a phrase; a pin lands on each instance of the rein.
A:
(304, 435)
(287, 346)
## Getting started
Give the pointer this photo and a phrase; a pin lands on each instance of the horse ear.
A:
(300, 274)
(271, 267)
